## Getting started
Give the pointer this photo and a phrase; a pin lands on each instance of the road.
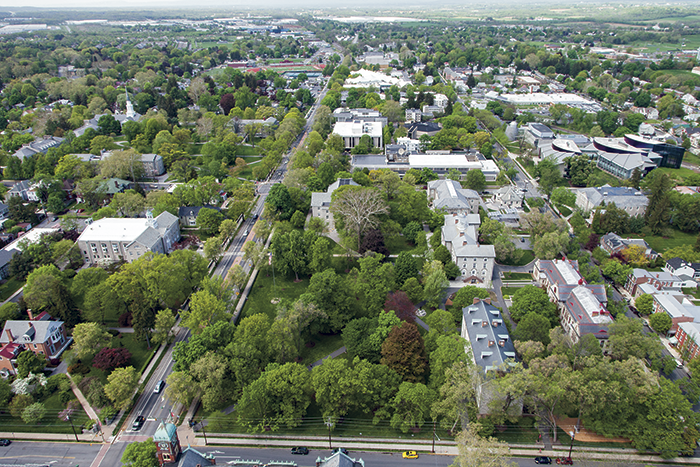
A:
(50, 454)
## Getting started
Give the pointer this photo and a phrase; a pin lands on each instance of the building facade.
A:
(460, 236)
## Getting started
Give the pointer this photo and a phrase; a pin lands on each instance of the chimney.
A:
(488, 300)
(461, 234)
(501, 343)
(491, 343)
(31, 316)
(456, 221)
(475, 300)
(9, 335)
(464, 243)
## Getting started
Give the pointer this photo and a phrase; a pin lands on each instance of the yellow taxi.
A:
(410, 455)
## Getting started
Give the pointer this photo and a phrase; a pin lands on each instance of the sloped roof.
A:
(339, 459)
(490, 342)
(37, 332)
(165, 432)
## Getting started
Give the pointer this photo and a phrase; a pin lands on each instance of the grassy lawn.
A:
(10, 286)
(505, 291)
(50, 423)
(565, 211)
(247, 173)
(526, 257)
(517, 276)
(140, 353)
(396, 244)
(524, 432)
(692, 291)
(264, 290)
(247, 151)
(676, 238)
(691, 158)
(323, 346)
(678, 174)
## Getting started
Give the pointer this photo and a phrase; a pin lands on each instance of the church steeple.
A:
(167, 443)
(129, 106)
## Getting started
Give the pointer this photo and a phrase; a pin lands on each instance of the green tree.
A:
(533, 299)
(435, 283)
(215, 379)
(658, 212)
(209, 220)
(477, 451)
(660, 322)
(8, 311)
(121, 384)
(280, 202)
(411, 406)
(334, 388)
(205, 308)
(533, 327)
(29, 362)
(280, 397)
(413, 289)
(644, 304)
(181, 388)
(405, 267)
(616, 271)
(449, 350)
(140, 454)
(89, 338)
(476, 180)
(404, 352)
(165, 321)
(213, 248)
(33, 414)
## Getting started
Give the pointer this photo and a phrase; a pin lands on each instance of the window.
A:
(166, 457)
(115, 247)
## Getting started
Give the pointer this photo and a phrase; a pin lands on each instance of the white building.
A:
(631, 200)
(351, 132)
(460, 235)
(113, 239)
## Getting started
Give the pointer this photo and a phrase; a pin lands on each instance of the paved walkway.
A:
(338, 352)
(123, 330)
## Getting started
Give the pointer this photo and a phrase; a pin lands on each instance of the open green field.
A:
(396, 244)
(517, 276)
(676, 173)
(675, 238)
(265, 289)
(10, 286)
(323, 346)
(50, 423)
(244, 150)
(526, 257)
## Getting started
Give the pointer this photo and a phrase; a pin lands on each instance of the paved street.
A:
(53, 454)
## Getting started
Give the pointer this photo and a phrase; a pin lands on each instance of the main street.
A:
(156, 407)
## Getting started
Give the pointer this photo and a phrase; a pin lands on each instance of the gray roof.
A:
(450, 194)
(509, 193)
(193, 211)
(190, 457)
(324, 199)
(627, 161)
(490, 342)
(339, 459)
(621, 196)
(6, 256)
(462, 231)
(24, 152)
(36, 332)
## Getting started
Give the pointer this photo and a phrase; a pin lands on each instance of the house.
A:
(114, 239)
(630, 200)
(32, 235)
(321, 202)
(38, 146)
(508, 216)
(656, 280)
(20, 189)
(678, 307)
(581, 306)
(4, 211)
(413, 115)
(351, 132)
(688, 336)
(169, 451)
(264, 127)
(509, 196)
(152, 165)
(188, 214)
(450, 196)
(681, 267)
(5, 257)
(613, 244)
(339, 459)
(484, 328)
(460, 236)
(492, 349)
(40, 334)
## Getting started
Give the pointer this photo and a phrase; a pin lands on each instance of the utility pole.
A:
(329, 424)
(204, 433)
(71, 425)
(434, 425)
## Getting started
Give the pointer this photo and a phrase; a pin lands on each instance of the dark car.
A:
(565, 461)
(543, 460)
(138, 423)
(300, 450)
(5, 442)
(634, 310)
(343, 450)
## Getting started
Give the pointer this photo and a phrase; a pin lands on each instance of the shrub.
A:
(108, 359)
(125, 320)
(78, 369)
(113, 332)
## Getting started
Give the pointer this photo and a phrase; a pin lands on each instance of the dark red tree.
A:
(404, 352)
(227, 102)
(109, 359)
(374, 241)
(401, 304)
(593, 241)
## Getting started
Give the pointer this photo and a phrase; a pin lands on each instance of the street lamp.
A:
(71, 425)
(329, 424)
(573, 434)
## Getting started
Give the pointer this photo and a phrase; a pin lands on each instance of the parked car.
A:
(343, 450)
(5, 442)
(410, 455)
(159, 387)
(543, 460)
(565, 461)
(138, 423)
(300, 450)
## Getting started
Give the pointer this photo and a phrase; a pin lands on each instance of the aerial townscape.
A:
(443, 235)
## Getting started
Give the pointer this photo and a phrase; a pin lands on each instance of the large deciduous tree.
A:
(89, 338)
(120, 387)
(404, 352)
(358, 208)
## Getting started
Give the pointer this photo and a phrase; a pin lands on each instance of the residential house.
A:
(413, 115)
(321, 202)
(113, 239)
(688, 336)
(680, 267)
(508, 196)
(581, 305)
(188, 214)
(460, 235)
(40, 335)
(5, 258)
(507, 216)
(656, 281)
(678, 307)
(613, 244)
(630, 200)
(4, 211)
(22, 190)
(450, 196)
(28, 237)
(152, 165)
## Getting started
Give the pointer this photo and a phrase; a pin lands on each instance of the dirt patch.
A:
(586, 436)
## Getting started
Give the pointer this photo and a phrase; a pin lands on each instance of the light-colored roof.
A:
(621, 196)
(112, 229)
(488, 336)
(36, 332)
(358, 129)
(449, 161)
(33, 236)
